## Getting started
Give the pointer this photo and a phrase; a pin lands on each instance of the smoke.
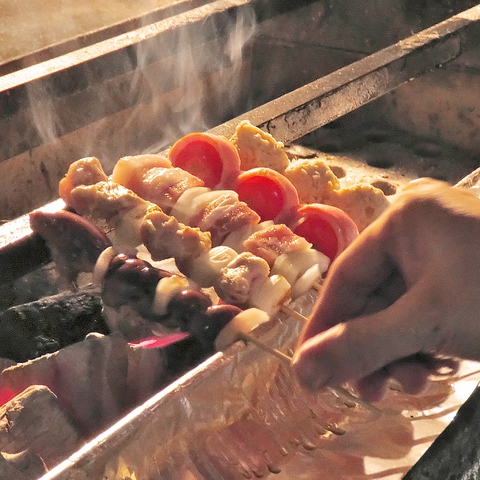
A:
(207, 76)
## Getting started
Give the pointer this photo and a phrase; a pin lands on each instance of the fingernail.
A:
(311, 373)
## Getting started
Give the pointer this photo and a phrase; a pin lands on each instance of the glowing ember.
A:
(160, 342)
(6, 394)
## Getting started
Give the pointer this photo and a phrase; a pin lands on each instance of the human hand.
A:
(407, 288)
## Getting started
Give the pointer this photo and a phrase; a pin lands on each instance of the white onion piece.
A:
(167, 264)
(102, 264)
(236, 238)
(285, 266)
(182, 210)
(203, 200)
(206, 268)
(305, 282)
(292, 265)
(166, 288)
(270, 294)
(240, 325)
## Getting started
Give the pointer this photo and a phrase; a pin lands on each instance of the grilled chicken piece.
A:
(105, 200)
(164, 186)
(86, 171)
(258, 148)
(129, 170)
(136, 221)
(237, 277)
(313, 179)
(223, 215)
(113, 207)
(273, 241)
(165, 237)
(363, 203)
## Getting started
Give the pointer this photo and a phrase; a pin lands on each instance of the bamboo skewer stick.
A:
(286, 359)
(340, 392)
(279, 354)
(293, 313)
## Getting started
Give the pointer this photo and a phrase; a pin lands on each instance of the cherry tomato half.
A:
(268, 193)
(210, 157)
(328, 228)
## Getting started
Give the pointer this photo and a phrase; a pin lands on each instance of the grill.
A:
(394, 105)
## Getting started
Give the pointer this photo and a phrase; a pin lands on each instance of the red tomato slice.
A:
(212, 158)
(328, 228)
(267, 192)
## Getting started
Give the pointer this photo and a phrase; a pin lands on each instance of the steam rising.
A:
(162, 97)
(209, 75)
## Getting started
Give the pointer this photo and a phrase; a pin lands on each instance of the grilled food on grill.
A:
(255, 266)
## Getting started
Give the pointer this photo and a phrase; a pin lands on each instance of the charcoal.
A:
(44, 326)
(23, 465)
(9, 472)
(89, 378)
(185, 354)
(146, 373)
(35, 421)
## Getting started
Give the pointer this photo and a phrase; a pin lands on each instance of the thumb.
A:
(356, 348)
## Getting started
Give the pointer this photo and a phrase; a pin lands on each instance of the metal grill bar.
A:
(304, 110)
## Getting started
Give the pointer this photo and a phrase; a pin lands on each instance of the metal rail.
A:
(304, 110)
